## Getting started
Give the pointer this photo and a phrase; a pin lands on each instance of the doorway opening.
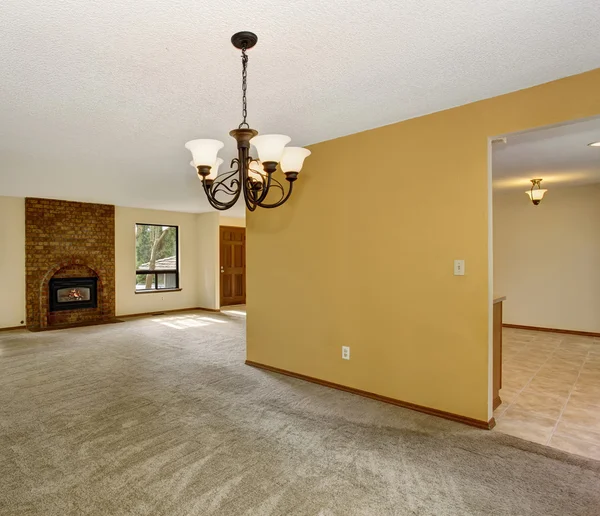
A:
(545, 248)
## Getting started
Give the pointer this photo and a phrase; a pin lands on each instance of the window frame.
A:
(155, 272)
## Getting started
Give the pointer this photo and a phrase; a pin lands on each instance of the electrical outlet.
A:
(459, 267)
(346, 352)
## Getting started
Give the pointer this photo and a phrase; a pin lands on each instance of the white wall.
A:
(198, 261)
(128, 302)
(198, 257)
(547, 258)
(208, 260)
(12, 261)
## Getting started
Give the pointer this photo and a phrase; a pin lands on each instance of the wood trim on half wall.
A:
(552, 330)
(486, 425)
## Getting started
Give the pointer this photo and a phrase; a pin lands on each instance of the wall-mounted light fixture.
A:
(594, 144)
(536, 194)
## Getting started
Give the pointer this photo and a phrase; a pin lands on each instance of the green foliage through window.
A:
(157, 257)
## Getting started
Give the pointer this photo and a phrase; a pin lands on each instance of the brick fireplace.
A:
(69, 244)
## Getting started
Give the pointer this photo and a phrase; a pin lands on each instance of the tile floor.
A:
(551, 390)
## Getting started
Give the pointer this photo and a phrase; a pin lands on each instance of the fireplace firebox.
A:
(73, 293)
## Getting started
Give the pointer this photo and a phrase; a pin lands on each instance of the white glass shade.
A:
(204, 152)
(214, 170)
(270, 146)
(293, 159)
(256, 171)
(537, 194)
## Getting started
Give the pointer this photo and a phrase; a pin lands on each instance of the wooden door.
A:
(233, 266)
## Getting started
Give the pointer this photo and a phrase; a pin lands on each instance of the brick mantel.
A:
(68, 239)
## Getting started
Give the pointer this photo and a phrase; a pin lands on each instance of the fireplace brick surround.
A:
(66, 239)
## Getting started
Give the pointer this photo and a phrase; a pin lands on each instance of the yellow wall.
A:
(362, 254)
(12, 261)
(546, 257)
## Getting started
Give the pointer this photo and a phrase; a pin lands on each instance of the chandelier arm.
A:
(221, 183)
(251, 192)
(266, 189)
(212, 190)
(280, 202)
(224, 188)
(215, 188)
(216, 204)
(273, 183)
(216, 201)
(249, 198)
(220, 207)
(270, 184)
(250, 204)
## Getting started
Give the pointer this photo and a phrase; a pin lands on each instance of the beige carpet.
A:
(159, 416)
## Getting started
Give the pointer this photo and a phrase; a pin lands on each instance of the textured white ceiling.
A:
(97, 97)
(560, 155)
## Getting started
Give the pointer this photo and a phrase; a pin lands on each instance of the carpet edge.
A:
(477, 423)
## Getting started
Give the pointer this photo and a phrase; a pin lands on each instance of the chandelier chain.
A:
(244, 86)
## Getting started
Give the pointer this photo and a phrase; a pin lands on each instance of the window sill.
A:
(158, 290)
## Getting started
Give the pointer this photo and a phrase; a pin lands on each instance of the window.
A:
(157, 257)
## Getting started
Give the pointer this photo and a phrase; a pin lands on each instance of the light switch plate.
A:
(459, 267)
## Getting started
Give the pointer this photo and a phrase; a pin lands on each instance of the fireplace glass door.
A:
(72, 293)
(67, 295)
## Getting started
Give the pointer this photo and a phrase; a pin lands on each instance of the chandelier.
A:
(250, 177)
